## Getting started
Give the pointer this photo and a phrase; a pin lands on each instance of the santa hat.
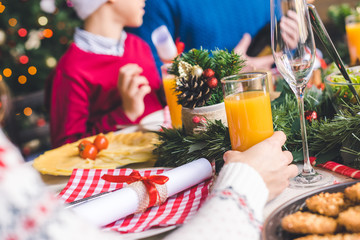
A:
(85, 8)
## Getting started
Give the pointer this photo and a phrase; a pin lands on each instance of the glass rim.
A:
(227, 79)
(352, 17)
(328, 77)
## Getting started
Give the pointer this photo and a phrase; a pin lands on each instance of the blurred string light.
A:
(24, 59)
(22, 79)
(22, 32)
(32, 70)
(27, 111)
(2, 37)
(63, 40)
(12, 22)
(2, 7)
(47, 33)
(7, 72)
(43, 20)
(51, 62)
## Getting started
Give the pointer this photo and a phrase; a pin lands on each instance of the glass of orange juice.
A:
(169, 82)
(248, 109)
(352, 26)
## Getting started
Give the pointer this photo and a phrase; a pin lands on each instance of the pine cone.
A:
(193, 92)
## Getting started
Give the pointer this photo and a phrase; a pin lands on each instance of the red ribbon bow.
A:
(149, 183)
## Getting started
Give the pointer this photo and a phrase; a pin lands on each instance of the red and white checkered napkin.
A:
(176, 210)
(342, 169)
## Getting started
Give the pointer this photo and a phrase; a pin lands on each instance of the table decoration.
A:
(115, 209)
(198, 73)
(124, 148)
(327, 130)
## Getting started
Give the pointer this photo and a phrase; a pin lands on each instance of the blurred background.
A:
(33, 36)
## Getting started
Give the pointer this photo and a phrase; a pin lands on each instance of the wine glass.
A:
(293, 47)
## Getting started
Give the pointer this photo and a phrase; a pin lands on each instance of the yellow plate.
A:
(123, 149)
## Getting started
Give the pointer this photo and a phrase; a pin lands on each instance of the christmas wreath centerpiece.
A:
(198, 73)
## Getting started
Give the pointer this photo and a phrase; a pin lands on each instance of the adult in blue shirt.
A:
(223, 24)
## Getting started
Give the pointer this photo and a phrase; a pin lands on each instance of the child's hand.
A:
(132, 88)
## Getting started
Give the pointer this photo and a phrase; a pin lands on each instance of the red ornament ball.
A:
(196, 119)
(208, 73)
(310, 115)
(212, 82)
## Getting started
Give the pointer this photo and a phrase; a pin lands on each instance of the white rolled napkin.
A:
(164, 43)
(123, 202)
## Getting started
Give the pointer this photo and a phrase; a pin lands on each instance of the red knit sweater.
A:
(84, 96)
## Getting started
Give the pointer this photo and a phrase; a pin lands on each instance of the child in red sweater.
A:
(107, 77)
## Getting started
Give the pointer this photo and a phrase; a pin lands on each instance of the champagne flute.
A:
(293, 47)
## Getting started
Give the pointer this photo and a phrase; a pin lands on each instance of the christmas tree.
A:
(33, 36)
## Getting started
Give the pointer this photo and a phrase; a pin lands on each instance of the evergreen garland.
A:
(177, 148)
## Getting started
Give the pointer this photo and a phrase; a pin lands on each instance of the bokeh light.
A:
(12, 22)
(64, 40)
(22, 79)
(27, 111)
(1, 77)
(22, 32)
(2, 8)
(51, 62)
(61, 25)
(43, 20)
(48, 33)
(32, 70)
(7, 72)
(24, 59)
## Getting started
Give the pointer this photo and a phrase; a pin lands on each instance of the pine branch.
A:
(227, 63)
(194, 57)
(177, 148)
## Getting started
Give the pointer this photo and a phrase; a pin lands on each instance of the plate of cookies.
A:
(328, 213)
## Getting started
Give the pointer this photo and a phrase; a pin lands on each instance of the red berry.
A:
(196, 119)
(180, 46)
(212, 82)
(208, 73)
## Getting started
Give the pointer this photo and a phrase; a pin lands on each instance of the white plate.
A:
(153, 121)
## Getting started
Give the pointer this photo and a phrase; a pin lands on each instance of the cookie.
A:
(328, 204)
(306, 222)
(340, 236)
(353, 192)
(350, 219)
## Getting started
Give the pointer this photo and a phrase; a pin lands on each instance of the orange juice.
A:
(249, 118)
(353, 37)
(171, 99)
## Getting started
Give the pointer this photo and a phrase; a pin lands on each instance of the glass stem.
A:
(307, 169)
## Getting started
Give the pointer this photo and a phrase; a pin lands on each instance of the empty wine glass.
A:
(293, 47)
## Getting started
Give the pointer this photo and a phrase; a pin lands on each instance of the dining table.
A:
(57, 183)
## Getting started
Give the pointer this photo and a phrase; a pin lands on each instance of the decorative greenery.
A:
(328, 135)
(177, 148)
(338, 13)
(190, 86)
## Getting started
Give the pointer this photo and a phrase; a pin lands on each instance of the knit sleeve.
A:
(234, 208)
(29, 211)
